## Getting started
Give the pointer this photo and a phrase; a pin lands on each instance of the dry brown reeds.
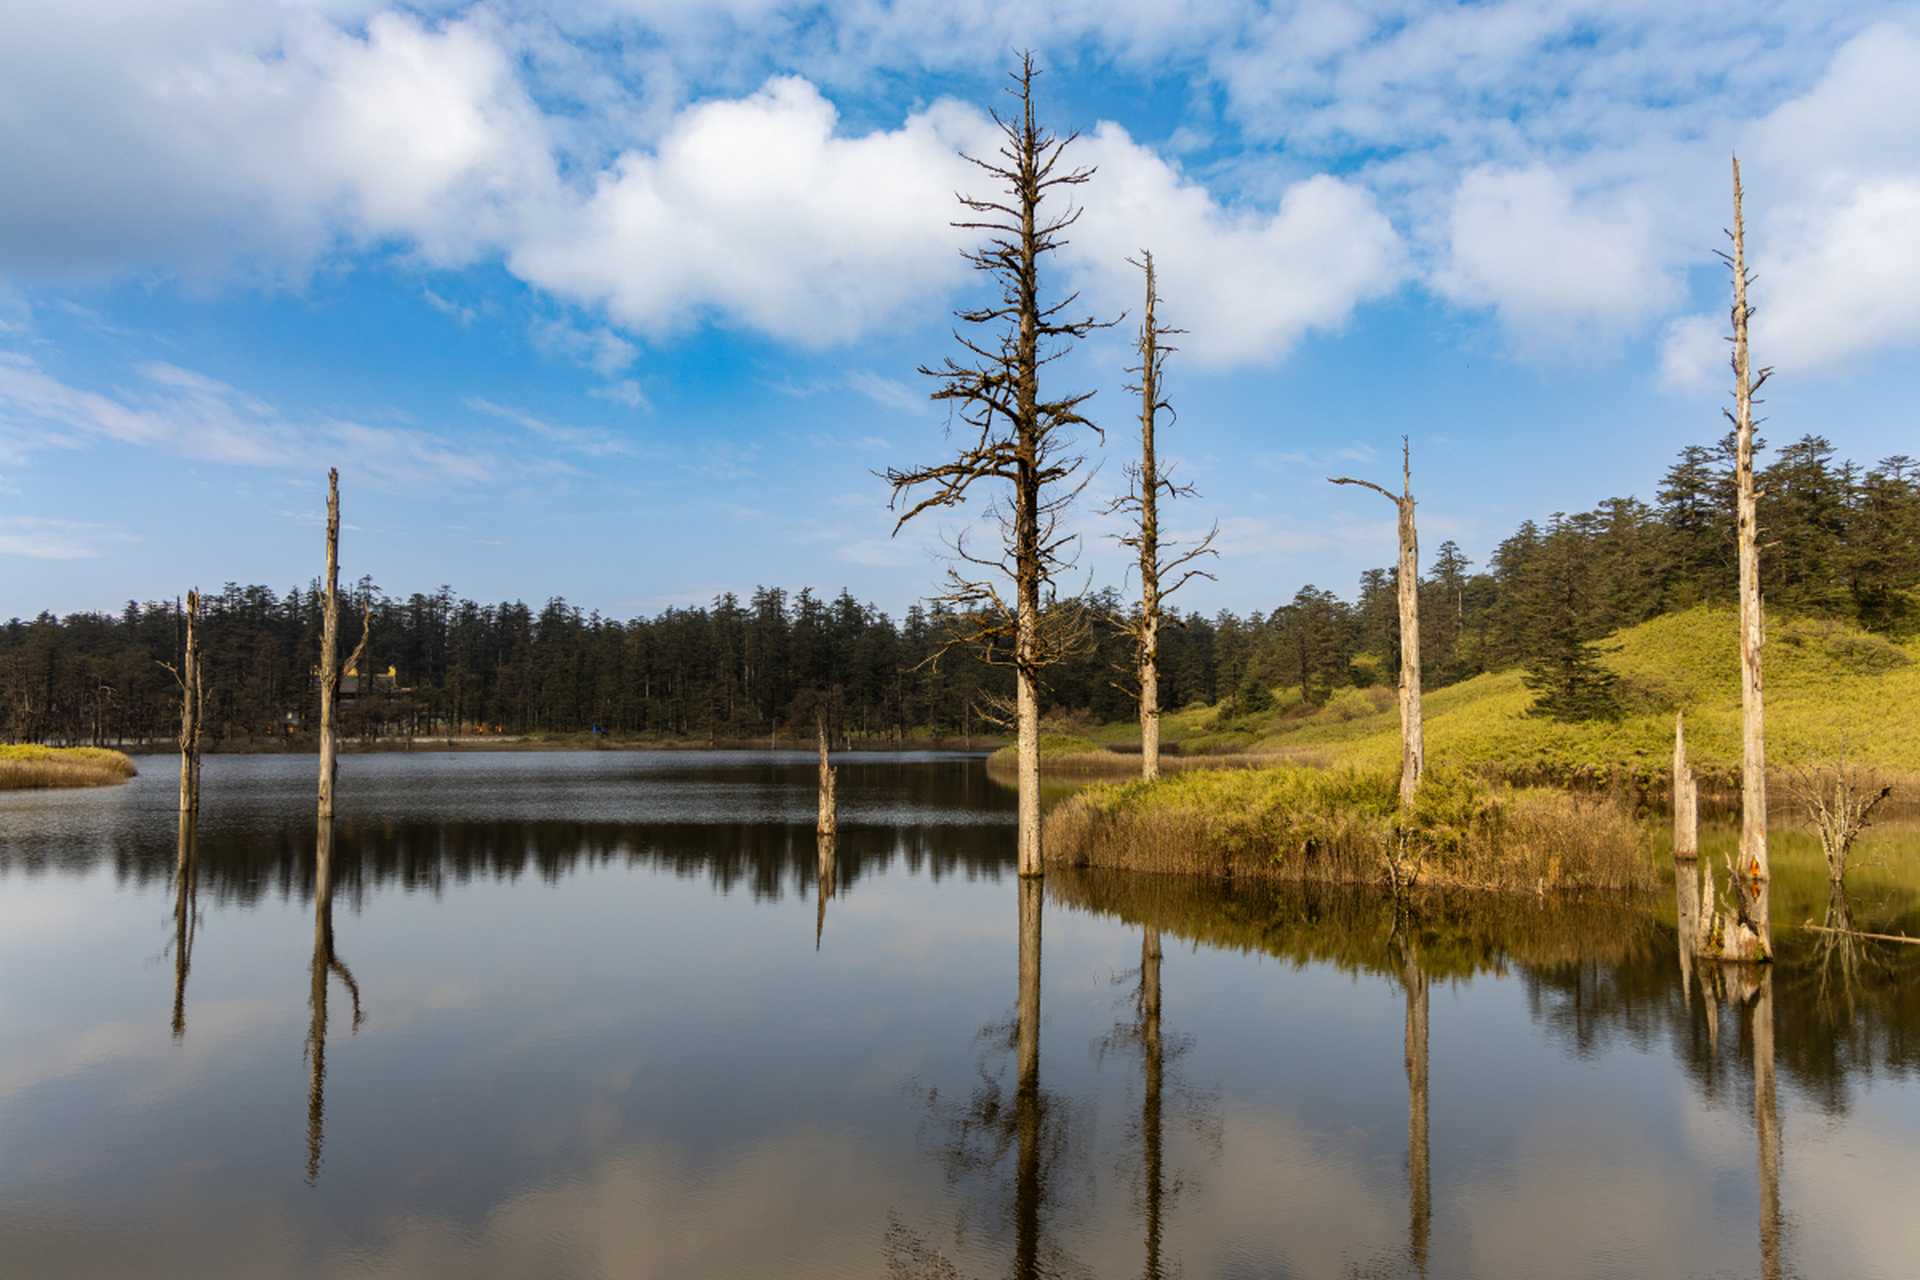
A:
(28, 766)
(1346, 827)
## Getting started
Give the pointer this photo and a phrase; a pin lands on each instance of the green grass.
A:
(1345, 825)
(25, 766)
(1830, 690)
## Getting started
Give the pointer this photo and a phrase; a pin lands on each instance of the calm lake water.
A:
(592, 1015)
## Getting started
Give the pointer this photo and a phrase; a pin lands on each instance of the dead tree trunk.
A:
(1750, 888)
(330, 650)
(828, 824)
(1022, 440)
(1413, 742)
(1686, 796)
(1142, 501)
(190, 705)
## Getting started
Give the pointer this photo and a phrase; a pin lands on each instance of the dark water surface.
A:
(591, 1015)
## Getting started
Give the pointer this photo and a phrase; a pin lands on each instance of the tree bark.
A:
(1149, 537)
(1753, 738)
(190, 706)
(1686, 797)
(828, 823)
(1413, 741)
(330, 648)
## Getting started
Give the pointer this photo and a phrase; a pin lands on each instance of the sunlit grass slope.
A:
(1830, 690)
(28, 765)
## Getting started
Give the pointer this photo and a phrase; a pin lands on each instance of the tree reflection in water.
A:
(1038, 1132)
(325, 962)
(186, 916)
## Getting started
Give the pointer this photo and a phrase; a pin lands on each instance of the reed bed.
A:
(28, 766)
(1345, 827)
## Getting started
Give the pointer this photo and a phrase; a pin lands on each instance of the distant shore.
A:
(306, 745)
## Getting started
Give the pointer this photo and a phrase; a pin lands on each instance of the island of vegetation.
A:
(28, 765)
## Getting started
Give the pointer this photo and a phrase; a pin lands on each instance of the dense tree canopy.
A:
(1842, 542)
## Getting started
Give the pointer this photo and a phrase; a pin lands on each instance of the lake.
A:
(595, 1014)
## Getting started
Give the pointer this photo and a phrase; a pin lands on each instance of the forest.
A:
(1842, 541)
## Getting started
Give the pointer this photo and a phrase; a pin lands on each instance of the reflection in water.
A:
(1419, 1186)
(1153, 1052)
(973, 1139)
(324, 962)
(186, 895)
(1027, 1104)
(828, 858)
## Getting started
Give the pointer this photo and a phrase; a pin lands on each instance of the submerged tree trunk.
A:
(190, 705)
(828, 823)
(1413, 744)
(1753, 873)
(330, 651)
(330, 648)
(1686, 798)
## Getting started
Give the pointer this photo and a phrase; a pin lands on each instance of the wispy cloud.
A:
(189, 414)
(584, 440)
(44, 539)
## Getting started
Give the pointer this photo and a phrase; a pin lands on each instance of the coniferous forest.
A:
(1843, 542)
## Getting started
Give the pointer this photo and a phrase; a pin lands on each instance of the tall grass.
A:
(1344, 826)
(28, 765)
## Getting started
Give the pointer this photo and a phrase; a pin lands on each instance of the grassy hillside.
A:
(1830, 690)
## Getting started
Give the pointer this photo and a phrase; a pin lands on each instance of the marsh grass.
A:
(27, 766)
(1343, 826)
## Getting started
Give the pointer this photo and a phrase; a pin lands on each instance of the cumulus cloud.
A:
(1561, 267)
(1557, 162)
(1245, 283)
(1832, 199)
(755, 211)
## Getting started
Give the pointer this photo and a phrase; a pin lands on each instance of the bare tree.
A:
(191, 704)
(1751, 875)
(330, 649)
(1146, 482)
(1413, 739)
(1023, 439)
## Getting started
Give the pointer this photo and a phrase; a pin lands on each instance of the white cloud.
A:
(1693, 356)
(1557, 161)
(754, 212)
(1832, 182)
(1563, 268)
(626, 392)
(1246, 284)
(186, 413)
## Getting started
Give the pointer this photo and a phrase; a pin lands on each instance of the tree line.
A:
(1845, 543)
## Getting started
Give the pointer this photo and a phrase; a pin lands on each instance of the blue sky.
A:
(623, 301)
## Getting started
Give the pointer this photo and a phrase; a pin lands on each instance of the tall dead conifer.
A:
(191, 702)
(1751, 876)
(1413, 739)
(1146, 482)
(1023, 439)
(330, 649)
